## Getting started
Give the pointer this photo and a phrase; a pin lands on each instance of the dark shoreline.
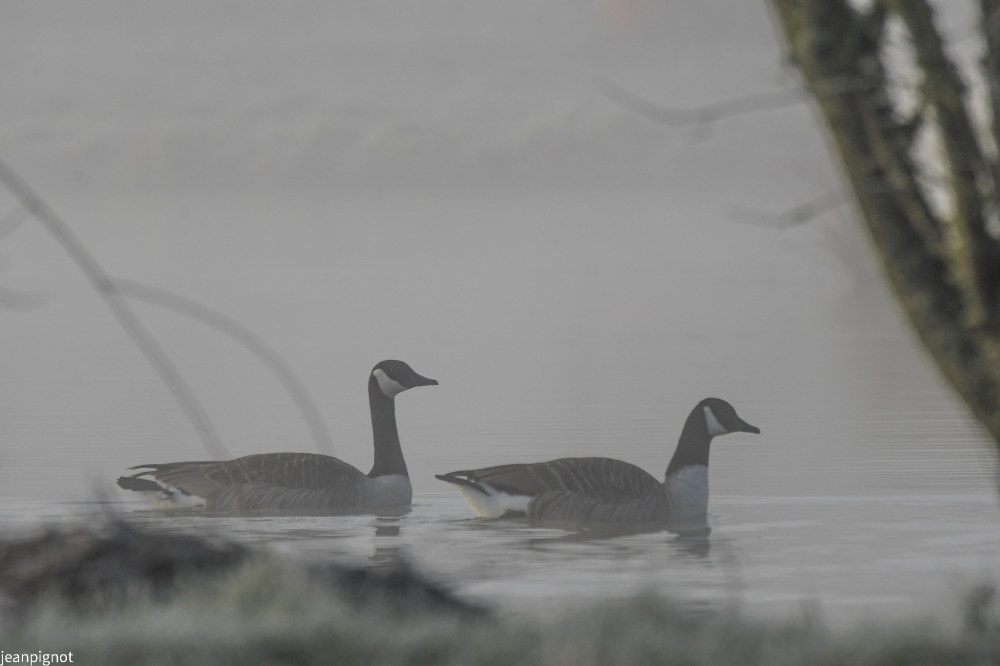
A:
(113, 593)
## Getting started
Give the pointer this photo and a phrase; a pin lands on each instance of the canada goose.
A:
(603, 490)
(296, 482)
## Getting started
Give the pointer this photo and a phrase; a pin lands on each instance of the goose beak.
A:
(417, 380)
(743, 426)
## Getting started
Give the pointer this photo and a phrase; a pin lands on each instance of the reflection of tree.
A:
(923, 173)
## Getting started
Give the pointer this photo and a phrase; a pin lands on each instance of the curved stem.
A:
(107, 290)
(246, 337)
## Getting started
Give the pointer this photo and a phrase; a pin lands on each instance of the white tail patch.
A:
(389, 386)
(492, 503)
(715, 428)
(170, 497)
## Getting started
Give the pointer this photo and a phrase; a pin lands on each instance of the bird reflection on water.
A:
(691, 538)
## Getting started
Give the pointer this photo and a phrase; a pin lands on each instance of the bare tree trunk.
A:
(943, 262)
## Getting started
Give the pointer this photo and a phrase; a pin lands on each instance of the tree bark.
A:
(943, 267)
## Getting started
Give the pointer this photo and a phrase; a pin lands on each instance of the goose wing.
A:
(602, 479)
(260, 478)
(567, 506)
(344, 497)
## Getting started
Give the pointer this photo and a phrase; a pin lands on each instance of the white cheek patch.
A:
(714, 427)
(389, 386)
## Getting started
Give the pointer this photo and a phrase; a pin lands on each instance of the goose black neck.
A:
(694, 444)
(388, 454)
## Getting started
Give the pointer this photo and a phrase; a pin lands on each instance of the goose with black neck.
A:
(298, 483)
(605, 490)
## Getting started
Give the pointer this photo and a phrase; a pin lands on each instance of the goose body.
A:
(605, 490)
(295, 482)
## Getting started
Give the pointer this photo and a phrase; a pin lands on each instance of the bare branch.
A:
(877, 156)
(971, 179)
(791, 217)
(38, 209)
(700, 115)
(215, 319)
(812, 209)
(990, 25)
(890, 148)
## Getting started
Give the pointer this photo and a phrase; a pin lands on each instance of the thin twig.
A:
(246, 337)
(700, 115)
(790, 217)
(38, 209)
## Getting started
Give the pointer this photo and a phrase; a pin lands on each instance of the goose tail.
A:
(139, 485)
(163, 495)
(485, 500)
(455, 478)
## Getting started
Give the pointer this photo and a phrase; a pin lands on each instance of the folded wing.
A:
(566, 506)
(602, 479)
(280, 481)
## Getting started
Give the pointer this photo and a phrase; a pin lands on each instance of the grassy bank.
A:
(260, 609)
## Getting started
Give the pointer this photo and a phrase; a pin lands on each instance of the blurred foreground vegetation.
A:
(113, 594)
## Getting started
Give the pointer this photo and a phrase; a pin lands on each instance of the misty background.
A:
(443, 182)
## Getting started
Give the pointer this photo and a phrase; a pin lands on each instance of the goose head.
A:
(710, 418)
(721, 418)
(391, 378)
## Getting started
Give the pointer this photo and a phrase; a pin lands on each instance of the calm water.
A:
(869, 493)
(848, 558)
(883, 511)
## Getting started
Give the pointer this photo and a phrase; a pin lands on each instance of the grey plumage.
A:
(268, 481)
(571, 489)
(563, 506)
(601, 478)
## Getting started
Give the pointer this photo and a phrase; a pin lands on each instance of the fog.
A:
(442, 182)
